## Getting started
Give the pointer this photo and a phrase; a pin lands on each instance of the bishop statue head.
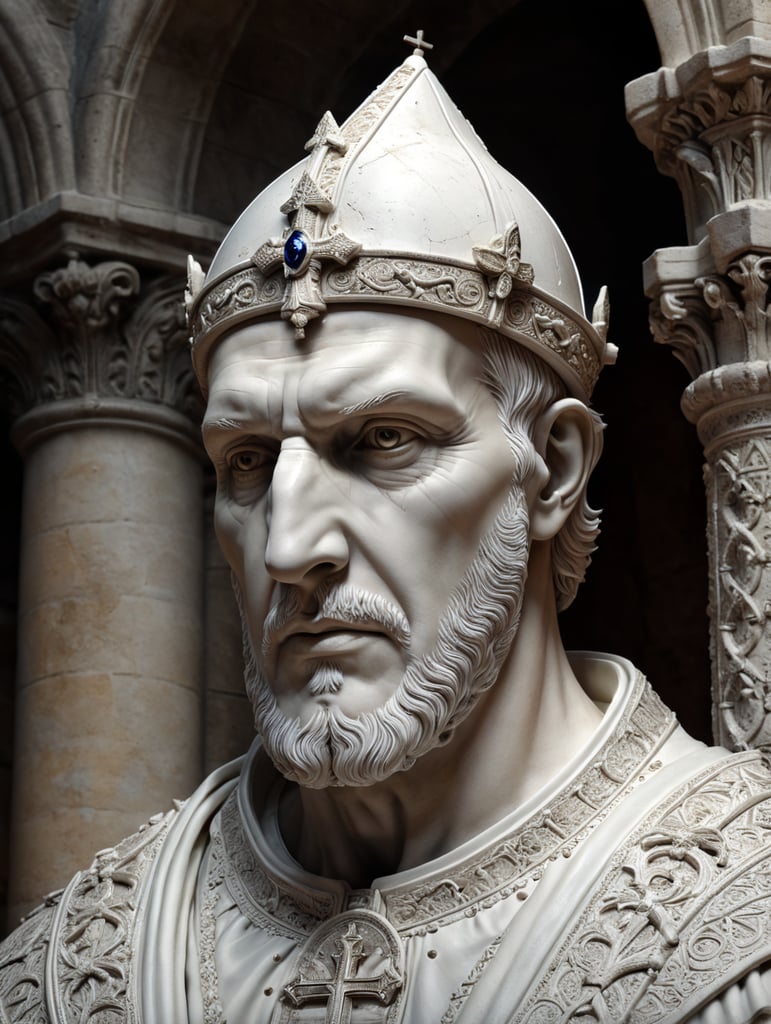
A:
(398, 368)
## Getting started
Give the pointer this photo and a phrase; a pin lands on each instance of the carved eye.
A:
(247, 460)
(385, 438)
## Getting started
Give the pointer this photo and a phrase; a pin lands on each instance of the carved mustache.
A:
(338, 605)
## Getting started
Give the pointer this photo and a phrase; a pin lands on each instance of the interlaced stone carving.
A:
(741, 484)
(708, 123)
(22, 967)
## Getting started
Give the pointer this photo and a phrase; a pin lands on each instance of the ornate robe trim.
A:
(683, 911)
(72, 959)
(505, 866)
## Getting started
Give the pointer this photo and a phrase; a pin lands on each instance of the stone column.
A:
(108, 702)
(708, 122)
(228, 721)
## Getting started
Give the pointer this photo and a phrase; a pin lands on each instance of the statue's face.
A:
(357, 472)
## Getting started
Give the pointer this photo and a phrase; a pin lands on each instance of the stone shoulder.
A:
(682, 912)
(71, 959)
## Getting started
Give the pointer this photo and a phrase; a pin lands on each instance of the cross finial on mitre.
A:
(419, 43)
(327, 134)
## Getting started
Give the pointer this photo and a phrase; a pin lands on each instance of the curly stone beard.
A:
(437, 691)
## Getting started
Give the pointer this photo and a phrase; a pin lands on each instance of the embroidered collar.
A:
(507, 858)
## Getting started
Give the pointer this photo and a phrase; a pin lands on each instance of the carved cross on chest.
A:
(345, 982)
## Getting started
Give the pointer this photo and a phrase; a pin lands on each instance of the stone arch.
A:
(106, 88)
(36, 151)
(685, 27)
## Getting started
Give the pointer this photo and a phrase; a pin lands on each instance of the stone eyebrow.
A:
(222, 426)
(376, 401)
(221, 423)
(439, 403)
(224, 423)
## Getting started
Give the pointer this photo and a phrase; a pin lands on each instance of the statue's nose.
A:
(305, 540)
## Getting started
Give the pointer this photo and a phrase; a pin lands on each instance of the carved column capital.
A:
(711, 319)
(86, 298)
(100, 342)
(708, 123)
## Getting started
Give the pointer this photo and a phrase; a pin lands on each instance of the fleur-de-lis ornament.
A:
(501, 261)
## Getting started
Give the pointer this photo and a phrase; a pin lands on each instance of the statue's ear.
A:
(568, 439)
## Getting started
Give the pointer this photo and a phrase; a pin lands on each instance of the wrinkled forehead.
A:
(354, 356)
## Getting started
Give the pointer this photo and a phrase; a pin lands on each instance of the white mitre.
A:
(403, 205)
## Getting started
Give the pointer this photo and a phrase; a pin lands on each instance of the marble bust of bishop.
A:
(443, 816)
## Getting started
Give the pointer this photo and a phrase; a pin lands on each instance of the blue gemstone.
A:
(295, 250)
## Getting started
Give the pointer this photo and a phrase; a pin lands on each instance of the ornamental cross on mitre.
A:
(301, 250)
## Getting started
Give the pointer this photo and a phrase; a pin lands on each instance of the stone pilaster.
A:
(109, 681)
(708, 122)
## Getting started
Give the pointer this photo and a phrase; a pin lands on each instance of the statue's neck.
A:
(513, 743)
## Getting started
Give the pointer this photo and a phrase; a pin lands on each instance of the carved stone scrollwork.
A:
(717, 320)
(751, 274)
(27, 374)
(87, 298)
(679, 317)
(685, 899)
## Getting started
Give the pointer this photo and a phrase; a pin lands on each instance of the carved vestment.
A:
(634, 887)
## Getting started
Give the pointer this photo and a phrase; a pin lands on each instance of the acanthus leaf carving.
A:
(160, 368)
(115, 335)
(28, 373)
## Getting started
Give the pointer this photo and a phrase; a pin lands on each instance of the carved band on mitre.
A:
(502, 300)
